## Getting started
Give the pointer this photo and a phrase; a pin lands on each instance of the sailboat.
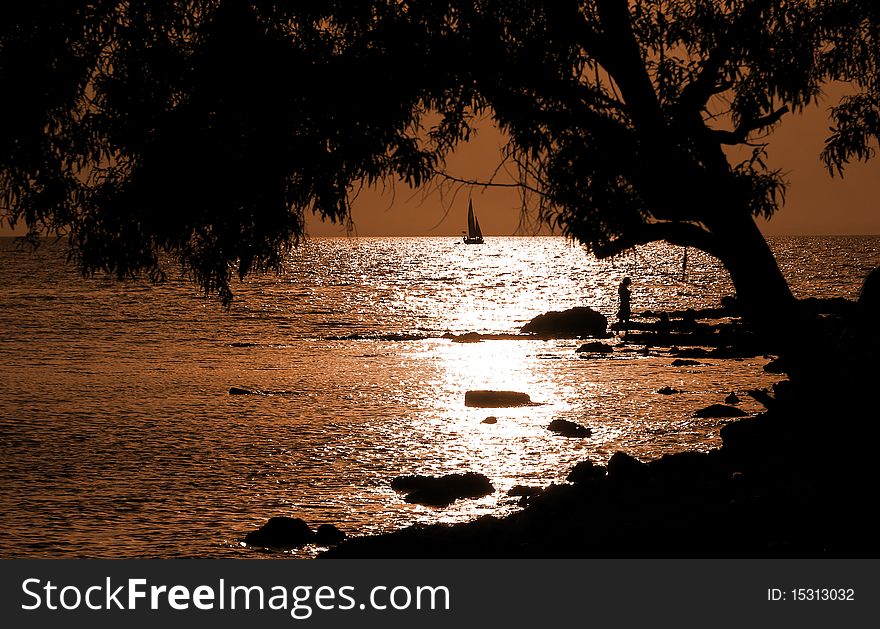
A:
(474, 235)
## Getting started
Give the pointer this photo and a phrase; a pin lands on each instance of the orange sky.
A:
(815, 203)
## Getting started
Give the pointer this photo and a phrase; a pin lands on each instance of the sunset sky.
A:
(815, 204)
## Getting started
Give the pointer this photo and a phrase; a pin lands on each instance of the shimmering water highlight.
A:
(118, 437)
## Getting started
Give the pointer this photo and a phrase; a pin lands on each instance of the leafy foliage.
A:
(631, 137)
(207, 129)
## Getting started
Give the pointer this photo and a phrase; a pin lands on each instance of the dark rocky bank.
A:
(796, 481)
(772, 490)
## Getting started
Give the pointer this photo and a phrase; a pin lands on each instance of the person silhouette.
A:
(623, 310)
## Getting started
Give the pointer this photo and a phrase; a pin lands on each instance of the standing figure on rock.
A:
(623, 310)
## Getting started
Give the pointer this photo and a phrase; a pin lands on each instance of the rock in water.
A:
(444, 490)
(732, 398)
(668, 391)
(597, 347)
(490, 420)
(496, 399)
(469, 337)
(569, 429)
(720, 410)
(328, 535)
(523, 491)
(569, 323)
(281, 532)
(777, 366)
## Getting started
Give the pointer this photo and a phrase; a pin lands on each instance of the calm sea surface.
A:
(118, 437)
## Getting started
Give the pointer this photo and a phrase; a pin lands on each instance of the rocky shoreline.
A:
(750, 498)
(795, 481)
(778, 487)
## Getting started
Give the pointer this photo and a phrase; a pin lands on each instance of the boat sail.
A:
(474, 234)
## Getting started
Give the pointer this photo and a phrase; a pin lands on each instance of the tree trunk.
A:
(761, 289)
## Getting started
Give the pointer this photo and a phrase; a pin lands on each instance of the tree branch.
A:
(681, 234)
(485, 184)
(696, 94)
(741, 133)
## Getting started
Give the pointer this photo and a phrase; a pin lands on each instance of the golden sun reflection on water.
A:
(616, 397)
(515, 449)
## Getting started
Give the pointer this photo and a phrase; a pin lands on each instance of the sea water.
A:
(119, 438)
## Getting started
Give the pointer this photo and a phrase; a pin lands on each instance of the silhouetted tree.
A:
(208, 128)
(629, 119)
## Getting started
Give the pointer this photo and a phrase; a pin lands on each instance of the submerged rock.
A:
(496, 399)
(569, 429)
(520, 491)
(389, 336)
(443, 490)
(468, 337)
(581, 321)
(597, 347)
(592, 356)
(263, 392)
(478, 337)
(720, 410)
(777, 366)
(685, 362)
(281, 532)
(490, 420)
